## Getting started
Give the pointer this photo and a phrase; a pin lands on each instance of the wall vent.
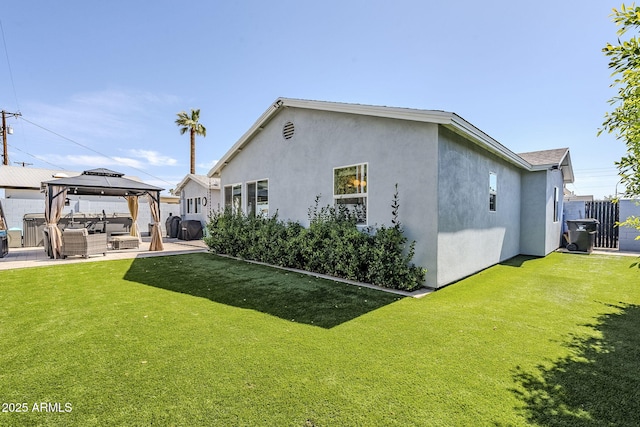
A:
(288, 130)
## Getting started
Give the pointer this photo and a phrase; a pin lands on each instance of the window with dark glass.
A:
(493, 191)
(258, 198)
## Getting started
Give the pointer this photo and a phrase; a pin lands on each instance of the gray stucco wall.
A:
(532, 214)
(627, 235)
(443, 183)
(471, 236)
(301, 168)
(553, 227)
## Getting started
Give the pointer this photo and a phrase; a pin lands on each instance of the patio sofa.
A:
(78, 241)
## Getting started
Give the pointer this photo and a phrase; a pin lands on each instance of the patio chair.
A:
(78, 241)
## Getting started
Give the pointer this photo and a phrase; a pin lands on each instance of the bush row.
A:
(332, 244)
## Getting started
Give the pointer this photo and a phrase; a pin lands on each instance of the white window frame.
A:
(556, 204)
(261, 208)
(493, 192)
(362, 186)
(230, 188)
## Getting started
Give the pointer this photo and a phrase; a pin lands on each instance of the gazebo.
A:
(100, 182)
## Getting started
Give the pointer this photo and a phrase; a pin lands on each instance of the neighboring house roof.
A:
(17, 177)
(203, 180)
(449, 120)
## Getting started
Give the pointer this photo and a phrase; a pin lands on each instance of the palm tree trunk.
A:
(193, 150)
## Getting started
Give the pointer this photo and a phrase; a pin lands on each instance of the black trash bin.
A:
(582, 234)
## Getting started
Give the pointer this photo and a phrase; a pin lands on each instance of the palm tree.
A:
(190, 123)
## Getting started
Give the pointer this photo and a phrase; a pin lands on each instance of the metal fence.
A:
(608, 214)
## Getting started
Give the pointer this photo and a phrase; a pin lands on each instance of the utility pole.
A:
(6, 130)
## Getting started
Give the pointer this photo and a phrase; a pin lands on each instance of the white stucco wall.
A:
(471, 236)
(192, 190)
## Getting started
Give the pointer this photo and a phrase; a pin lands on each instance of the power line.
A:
(37, 158)
(91, 149)
(6, 52)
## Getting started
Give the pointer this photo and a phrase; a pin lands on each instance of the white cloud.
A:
(85, 162)
(207, 166)
(153, 157)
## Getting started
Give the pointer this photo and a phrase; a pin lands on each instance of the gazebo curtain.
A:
(132, 202)
(156, 233)
(55, 196)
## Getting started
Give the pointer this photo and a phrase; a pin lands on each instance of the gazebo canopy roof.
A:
(103, 182)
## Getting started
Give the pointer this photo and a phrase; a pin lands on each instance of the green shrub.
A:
(332, 244)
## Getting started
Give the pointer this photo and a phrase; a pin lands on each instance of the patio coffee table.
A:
(125, 242)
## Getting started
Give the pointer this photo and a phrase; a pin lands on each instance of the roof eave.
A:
(466, 129)
(449, 120)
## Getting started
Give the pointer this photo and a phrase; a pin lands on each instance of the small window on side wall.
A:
(556, 204)
(493, 191)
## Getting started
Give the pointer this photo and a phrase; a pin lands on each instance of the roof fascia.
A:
(429, 116)
(450, 120)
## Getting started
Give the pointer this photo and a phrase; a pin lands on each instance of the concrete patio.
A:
(36, 256)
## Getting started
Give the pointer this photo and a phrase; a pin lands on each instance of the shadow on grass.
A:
(290, 296)
(518, 260)
(598, 386)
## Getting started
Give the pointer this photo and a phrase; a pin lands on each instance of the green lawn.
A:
(194, 340)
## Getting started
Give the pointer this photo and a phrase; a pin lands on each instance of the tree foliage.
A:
(624, 119)
(333, 244)
(190, 123)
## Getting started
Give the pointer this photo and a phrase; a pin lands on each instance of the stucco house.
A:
(199, 197)
(467, 200)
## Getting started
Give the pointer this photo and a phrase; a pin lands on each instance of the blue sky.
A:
(94, 78)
